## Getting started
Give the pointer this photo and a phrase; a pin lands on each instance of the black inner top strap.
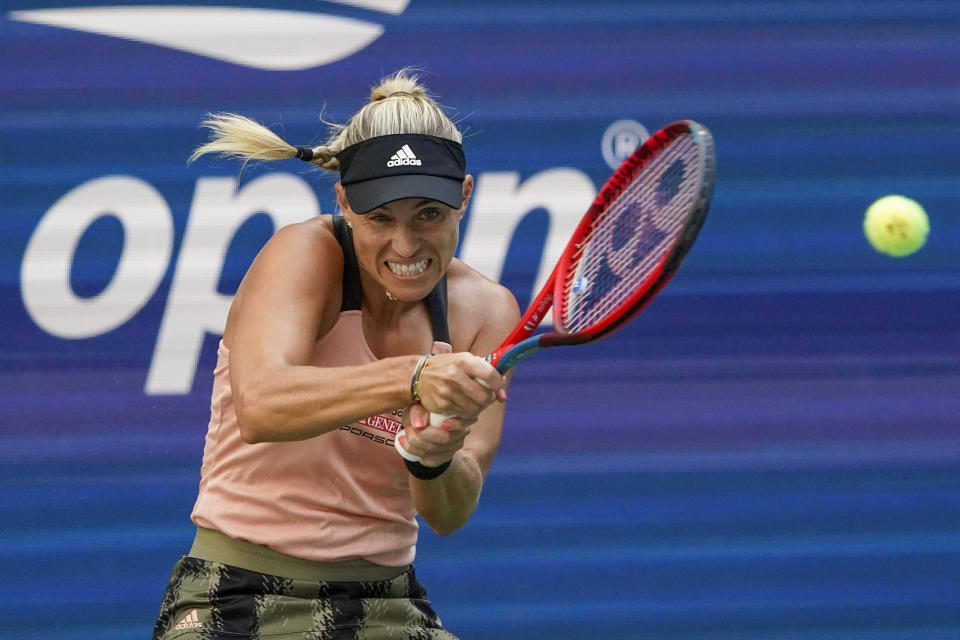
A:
(353, 292)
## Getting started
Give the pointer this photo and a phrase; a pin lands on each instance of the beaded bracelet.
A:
(415, 380)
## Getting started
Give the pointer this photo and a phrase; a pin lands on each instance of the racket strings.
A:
(628, 241)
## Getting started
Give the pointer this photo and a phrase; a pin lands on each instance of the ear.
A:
(345, 209)
(342, 198)
(467, 192)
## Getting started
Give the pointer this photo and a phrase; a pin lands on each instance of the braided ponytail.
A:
(399, 104)
(236, 136)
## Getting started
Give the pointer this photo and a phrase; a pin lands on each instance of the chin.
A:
(411, 292)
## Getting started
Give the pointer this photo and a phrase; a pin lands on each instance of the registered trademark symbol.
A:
(620, 139)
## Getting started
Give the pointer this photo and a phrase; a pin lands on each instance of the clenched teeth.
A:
(408, 269)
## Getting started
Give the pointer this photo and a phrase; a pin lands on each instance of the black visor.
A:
(387, 168)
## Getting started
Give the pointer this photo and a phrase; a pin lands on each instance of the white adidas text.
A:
(404, 157)
(191, 621)
(402, 162)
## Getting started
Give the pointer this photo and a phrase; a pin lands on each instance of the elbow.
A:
(448, 521)
(251, 436)
(445, 529)
(250, 418)
(249, 431)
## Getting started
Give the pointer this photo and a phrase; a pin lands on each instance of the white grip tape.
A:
(406, 455)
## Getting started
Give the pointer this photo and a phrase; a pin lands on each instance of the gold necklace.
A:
(390, 296)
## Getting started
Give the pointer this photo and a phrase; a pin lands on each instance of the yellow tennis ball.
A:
(896, 226)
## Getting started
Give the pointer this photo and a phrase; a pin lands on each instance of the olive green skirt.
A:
(230, 589)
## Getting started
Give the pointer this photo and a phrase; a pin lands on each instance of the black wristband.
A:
(424, 472)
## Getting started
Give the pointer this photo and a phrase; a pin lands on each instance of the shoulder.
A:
(481, 311)
(302, 252)
(299, 268)
(315, 234)
(307, 257)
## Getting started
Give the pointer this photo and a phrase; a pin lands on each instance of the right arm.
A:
(289, 298)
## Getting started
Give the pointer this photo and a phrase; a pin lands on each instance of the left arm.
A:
(447, 502)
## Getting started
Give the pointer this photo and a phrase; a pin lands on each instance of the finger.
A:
(460, 398)
(484, 373)
(433, 441)
(475, 392)
(440, 454)
(401, 445)
(433, 437)
(459, 385)
(455, 424)
(472, 400)
(419, 416)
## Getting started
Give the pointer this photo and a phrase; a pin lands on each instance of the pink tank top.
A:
(338, 496)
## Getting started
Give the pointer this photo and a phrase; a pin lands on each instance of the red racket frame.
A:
(658, 278)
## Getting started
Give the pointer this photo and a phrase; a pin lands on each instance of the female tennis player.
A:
(345, 330)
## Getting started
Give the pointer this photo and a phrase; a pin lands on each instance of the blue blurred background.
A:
(770, 451)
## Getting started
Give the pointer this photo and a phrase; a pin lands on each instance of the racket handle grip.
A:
(406, 455)
(436, 419)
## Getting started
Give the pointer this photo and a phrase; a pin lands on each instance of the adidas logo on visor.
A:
(404, 157)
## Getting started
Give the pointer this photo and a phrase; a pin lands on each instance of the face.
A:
(406, 245)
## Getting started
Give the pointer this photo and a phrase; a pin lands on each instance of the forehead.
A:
(408, 205)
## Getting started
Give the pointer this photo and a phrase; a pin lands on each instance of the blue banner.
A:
(770, 450)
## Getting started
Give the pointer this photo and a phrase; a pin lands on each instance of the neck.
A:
(380, 306)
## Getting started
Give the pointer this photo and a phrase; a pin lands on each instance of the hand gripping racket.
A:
(628, 245)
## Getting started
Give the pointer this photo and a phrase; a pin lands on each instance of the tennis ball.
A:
(896, 226)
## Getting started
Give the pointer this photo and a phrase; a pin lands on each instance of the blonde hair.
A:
(399, 104)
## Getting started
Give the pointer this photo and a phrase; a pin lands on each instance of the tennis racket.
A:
(628, 245)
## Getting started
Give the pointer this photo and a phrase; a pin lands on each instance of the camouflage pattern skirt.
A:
(215, 601)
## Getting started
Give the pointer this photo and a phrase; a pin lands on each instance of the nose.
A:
(405, 241)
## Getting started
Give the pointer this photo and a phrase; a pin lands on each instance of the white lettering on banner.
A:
(195, 307)
(500, 202)
(148, 234)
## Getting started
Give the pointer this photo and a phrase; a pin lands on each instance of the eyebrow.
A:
(388, 208)
(421, 203)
